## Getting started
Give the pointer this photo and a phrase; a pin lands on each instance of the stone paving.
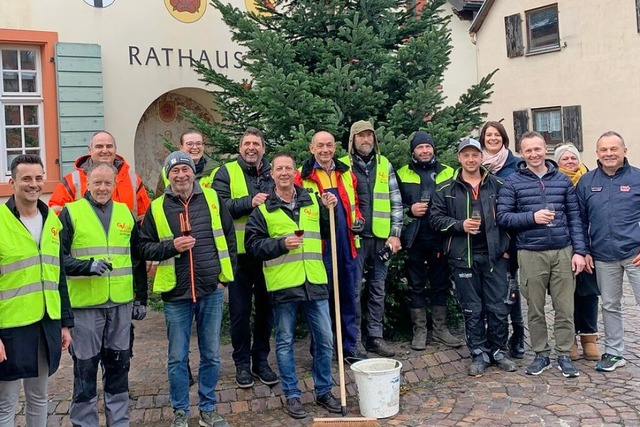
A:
(435, 392)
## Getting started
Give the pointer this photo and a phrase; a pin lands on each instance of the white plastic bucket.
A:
(378, 382)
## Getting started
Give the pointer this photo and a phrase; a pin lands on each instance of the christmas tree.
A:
(324, 64)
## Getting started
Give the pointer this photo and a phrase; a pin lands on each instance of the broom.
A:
(340, 422)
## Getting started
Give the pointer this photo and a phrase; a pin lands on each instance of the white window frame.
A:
(22, 99)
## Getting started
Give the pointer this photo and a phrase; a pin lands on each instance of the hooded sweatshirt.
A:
(365, 169)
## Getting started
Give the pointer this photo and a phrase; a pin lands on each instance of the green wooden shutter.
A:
(80, 99)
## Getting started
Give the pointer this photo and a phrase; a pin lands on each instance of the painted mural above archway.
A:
(163, 121)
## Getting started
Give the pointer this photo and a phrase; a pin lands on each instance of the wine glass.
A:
(552, 209)
(425, 197)
(299, 232)
(477, 217)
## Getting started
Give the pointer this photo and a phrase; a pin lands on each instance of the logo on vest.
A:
(54, 232)
(384, 176)
(124, 227)
(311, 214)
(214, 206)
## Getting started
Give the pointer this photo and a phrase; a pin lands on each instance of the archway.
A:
(163, 121)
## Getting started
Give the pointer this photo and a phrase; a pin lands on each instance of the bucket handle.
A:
(355, 368)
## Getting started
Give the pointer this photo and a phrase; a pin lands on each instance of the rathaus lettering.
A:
(171, 57)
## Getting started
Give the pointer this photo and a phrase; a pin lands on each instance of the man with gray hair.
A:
(609, 197)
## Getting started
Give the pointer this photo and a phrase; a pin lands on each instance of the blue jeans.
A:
(319, 321)
(179, 316)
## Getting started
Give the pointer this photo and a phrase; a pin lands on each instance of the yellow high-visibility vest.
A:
(28, 275)
(90, 241)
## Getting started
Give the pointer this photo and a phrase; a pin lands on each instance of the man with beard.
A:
(418, 182)
(243, 185)
(380, 202)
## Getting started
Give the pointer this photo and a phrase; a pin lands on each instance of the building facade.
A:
(567, 69)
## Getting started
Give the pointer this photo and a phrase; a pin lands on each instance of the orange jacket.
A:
(128, 184)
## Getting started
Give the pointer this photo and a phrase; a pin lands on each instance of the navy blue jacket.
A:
(610, 209)
(509, 167)
(523, 193)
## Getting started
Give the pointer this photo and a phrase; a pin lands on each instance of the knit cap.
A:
(178, 158)
(563, 149)
(421, 137)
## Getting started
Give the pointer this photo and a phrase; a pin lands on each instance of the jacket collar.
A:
(42, 207)
(85, 162)
(309, 166)
(622, 169)
(265, 167)
(274, 202)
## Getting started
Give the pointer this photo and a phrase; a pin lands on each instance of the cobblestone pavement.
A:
(435, 392)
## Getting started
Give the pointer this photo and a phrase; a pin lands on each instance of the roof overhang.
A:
(481, 16)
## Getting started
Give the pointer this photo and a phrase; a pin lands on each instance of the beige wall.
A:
(462, 72)
(130, 88)
(596, 68)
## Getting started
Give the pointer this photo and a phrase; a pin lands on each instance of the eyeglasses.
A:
(194, 144)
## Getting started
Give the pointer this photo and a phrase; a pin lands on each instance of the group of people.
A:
(76, 280)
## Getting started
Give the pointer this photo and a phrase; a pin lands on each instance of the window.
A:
(548, 123)
(557, 125)
(28, 102)
(21, 104)
(542, 29)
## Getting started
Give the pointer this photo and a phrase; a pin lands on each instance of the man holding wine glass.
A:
(463, 208)
(539, 204)
(418, 182)
(286, 233)
(380, 202)
(190, 231)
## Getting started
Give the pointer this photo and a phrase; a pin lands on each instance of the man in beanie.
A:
(190, 231)
(464, 209)
(418, 182)
(380, 203)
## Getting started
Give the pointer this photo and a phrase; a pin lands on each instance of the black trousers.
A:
(481, 291)
(249, 286)
(436, 271)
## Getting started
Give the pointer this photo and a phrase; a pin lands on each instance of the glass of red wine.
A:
(298, 232)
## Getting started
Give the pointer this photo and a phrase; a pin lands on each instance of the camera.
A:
(385, 253)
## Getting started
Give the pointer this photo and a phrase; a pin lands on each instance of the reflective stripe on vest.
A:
(347, 181)
(381, 214)
(28, 276)
(409, 176)
(165, 279)
(298, 265)
(78, 182)
(238, 189)
(90, 241)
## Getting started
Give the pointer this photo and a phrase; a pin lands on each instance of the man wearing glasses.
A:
(192, 143)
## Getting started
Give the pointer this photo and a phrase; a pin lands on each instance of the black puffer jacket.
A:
(523, 194)
(263, 247)
(205, 255)
(451, 206)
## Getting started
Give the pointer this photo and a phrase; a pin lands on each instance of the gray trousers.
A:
(35, 390)
(609, 277)
(542, 272)
(376, 275)
(101, 335)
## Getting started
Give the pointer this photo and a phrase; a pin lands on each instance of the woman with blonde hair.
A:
(585, 299)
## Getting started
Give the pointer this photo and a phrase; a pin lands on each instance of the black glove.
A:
(99, 267)
(358, 226)
(139, 311)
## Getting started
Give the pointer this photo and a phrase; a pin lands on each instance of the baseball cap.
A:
(469, 142)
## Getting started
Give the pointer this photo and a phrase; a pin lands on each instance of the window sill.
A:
(544, 50)
(6, 190)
